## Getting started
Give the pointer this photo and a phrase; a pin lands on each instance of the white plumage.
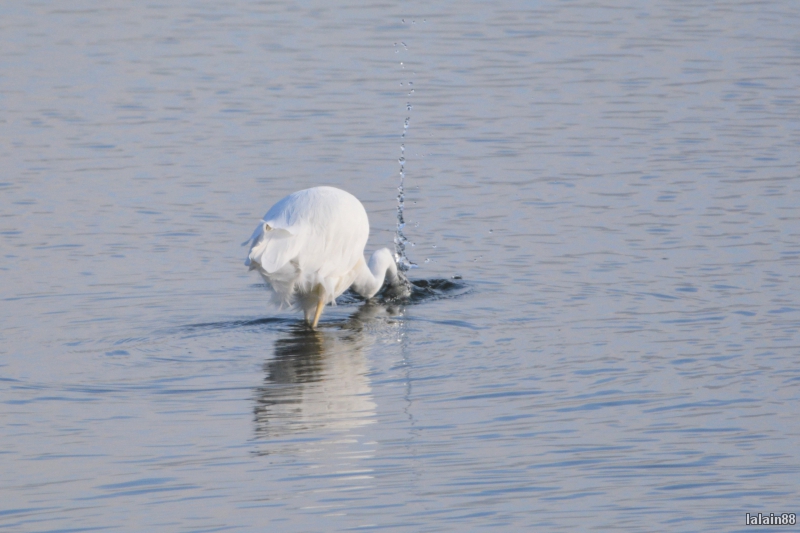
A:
(309, 248)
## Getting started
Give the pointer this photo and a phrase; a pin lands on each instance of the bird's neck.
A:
(370, 278)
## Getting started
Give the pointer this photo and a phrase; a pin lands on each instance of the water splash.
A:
(400, 239)
(404, 264)
(404, 289)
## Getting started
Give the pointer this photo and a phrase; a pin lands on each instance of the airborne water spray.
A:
(400, 240)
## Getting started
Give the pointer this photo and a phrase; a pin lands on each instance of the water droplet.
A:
(427, 260)
(434, 246)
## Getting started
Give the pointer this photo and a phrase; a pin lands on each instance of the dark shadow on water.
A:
(422, 291)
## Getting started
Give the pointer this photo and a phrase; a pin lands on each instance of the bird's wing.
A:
(272, 246)
(256, 233)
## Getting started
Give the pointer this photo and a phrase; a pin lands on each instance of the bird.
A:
(309, 248)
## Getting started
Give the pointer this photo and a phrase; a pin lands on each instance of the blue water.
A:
(602, 199)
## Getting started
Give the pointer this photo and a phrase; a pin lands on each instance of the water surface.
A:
(615, 184)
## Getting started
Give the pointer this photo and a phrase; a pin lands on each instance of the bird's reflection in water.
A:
(318, 379)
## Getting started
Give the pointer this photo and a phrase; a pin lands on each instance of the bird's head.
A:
(382, 261)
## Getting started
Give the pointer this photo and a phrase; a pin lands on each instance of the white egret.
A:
(309, 248)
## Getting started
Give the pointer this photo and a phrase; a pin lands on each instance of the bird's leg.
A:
(320, 306)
